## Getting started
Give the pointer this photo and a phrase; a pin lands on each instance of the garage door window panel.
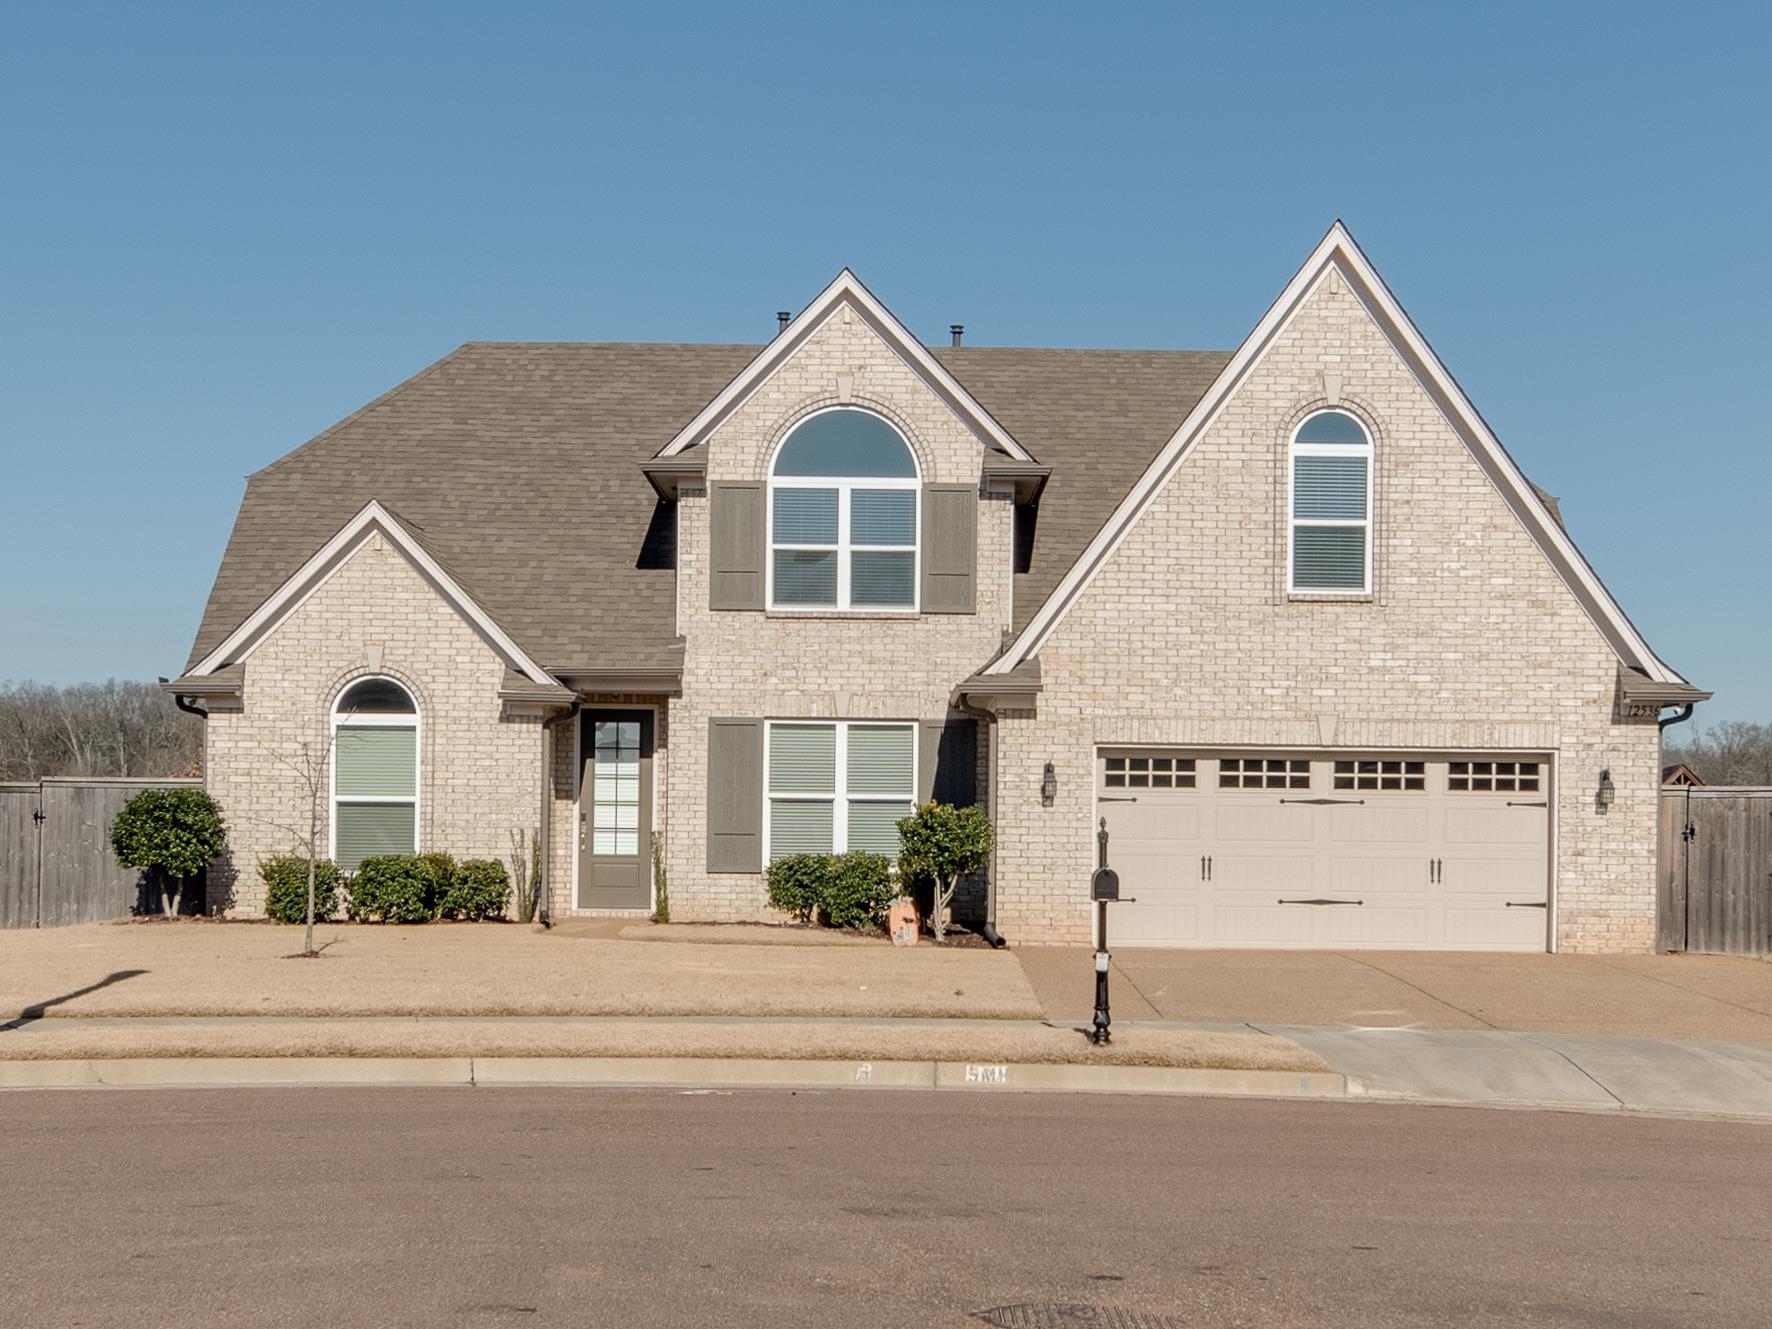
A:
(1382, 774)
(1493, 777)
(1149, 772)
(1263, 773)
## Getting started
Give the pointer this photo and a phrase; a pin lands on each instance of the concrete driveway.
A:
(1652, 996)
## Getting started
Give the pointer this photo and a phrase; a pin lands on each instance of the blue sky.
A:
(224, 227)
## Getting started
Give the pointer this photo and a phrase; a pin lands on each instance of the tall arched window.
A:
(1329, 528)
(843, 515)
(374, 772)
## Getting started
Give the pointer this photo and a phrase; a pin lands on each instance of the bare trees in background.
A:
(1732, 752)
(110, 728)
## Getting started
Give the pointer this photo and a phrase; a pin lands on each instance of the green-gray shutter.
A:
(735, 795)
(950, 549)
(738, 533)
(947, 762)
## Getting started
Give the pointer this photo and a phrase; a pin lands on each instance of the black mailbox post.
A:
(1104, 889)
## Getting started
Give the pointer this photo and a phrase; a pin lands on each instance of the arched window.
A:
(843, 515)
(374, 772)
(1329, 527)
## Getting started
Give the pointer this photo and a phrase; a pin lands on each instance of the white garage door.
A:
(1328, 850)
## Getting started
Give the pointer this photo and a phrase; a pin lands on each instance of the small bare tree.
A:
(525, 860)
(310, 767)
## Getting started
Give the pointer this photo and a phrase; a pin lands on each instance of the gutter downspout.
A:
(1663, 725)
(989, 930)
(544, 907)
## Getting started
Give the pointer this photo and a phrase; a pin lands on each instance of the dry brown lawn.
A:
(952, 1040)
(198, 968)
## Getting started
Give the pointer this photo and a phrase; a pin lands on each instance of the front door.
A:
(615, 810)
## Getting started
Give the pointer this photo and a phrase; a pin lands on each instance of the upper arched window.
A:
(374, 772)
(1329, 527)
(843, 515)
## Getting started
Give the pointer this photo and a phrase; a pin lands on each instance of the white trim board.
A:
(846, 290)
(372, 520)
(1339, 253)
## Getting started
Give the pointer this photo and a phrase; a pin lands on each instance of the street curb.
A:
(661, 1072)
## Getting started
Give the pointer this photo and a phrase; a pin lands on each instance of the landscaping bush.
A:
(286, 888)
(393, 888)
(173, 832)
(797, 884)
(858, 891)
(941, 844)
(478, 889)
(439, 871)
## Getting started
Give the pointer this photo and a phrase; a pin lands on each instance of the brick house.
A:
(1287, 620)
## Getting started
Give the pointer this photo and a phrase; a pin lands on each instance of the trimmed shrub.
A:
(173, 832)
(286, 888)
(858, 891)
(392, 888)
(479, 889)
(797, 884)
(439, 871)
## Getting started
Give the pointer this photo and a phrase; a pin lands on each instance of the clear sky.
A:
(224, 227)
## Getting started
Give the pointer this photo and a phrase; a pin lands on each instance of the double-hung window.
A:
(1329, 526)
(843, 516)
(836, 786)
(374, 772)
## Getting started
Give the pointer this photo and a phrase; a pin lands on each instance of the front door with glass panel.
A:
(615, 810)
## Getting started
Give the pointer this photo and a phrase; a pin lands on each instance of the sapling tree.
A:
(310, 766)
(174, 833)
(941, 843)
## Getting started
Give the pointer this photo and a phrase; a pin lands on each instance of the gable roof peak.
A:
(847, 289)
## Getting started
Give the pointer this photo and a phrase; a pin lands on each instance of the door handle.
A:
(1208, 867)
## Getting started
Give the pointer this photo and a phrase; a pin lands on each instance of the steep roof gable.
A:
(1339, 253)
(846, 291)
(372, 520)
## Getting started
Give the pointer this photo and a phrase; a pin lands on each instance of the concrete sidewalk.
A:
(1704, 997)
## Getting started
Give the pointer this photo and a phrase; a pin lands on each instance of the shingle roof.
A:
(517, 465)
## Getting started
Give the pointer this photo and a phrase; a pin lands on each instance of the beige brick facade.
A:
(1187, 636)
(478, 769)
(799, 666)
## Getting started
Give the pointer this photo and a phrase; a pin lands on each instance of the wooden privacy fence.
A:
(1716, 870)
(56, 864)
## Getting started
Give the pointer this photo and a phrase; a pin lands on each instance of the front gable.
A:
(1358, 329)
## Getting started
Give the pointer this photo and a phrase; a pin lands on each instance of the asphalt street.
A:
(489, 1207)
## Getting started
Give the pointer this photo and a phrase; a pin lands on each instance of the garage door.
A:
(1328, 850)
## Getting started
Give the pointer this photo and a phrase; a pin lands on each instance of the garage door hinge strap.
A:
(1322, 902)
(1324, 801)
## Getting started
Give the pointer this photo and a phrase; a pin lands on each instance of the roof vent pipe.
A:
(958, 330)
(782, 319)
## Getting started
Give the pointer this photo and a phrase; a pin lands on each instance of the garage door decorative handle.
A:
(1324, 802)
(1512, 804)
(1322, 902)
(1527, 904)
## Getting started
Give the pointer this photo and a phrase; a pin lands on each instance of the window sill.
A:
(846, 614)
(1331, 597)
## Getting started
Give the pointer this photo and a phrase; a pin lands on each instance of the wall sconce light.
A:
(1607, 791)
(1049, 785)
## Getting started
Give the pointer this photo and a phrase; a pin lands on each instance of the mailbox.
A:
(1104, 885)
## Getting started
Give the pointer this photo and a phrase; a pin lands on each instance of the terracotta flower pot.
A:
(901, 922)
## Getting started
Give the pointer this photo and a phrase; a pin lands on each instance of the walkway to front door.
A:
(615, 809)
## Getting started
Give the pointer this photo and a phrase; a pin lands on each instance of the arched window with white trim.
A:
(1329, 506)
(843, 515)
(374, 772)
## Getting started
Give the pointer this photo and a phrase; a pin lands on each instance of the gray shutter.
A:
(950, 549)
(947, 762)
(736, 544)
(735, 795)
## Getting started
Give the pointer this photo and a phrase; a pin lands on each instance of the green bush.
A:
(941, 844)
(439, 869)
(858, 891)
(478, 889)
(286, 888)
(393, 888)
(797, 884)
(174, 832)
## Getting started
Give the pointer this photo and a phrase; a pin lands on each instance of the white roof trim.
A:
(1338, 250)
(845, 289)
(333, 555)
